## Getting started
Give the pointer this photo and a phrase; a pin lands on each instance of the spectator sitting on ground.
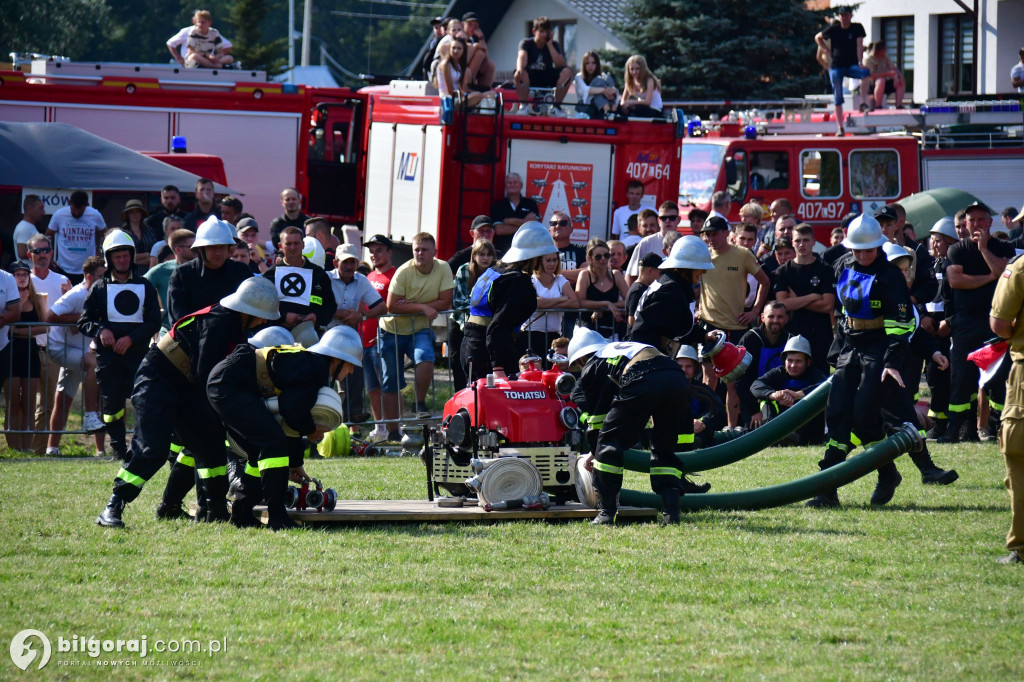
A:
(641, 92)
(598, 97)
(200, 44)
(69, 349)
(765, 344)
(885, 78)
(708, 409)
(781, 388)
(34, 209)
(540, 63)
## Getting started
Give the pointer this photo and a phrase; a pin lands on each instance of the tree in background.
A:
(246, 16)
(51, 27)
(725, 49)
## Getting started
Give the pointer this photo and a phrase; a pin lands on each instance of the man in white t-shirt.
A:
(49, 286)
(1017, 73)
(634, 195)
(199, 44)
(668, 219)
(77, 232)
(34, 210)
(69, 349)
(357, 300)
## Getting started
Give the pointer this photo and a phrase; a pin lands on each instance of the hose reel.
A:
(505, 478)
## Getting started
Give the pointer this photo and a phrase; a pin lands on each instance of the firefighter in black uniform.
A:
(170, 396)
(502, 300)
(303, 287)
(238, 389)
(121, 313)
(868, 352)
(201, 282)
(942, 236)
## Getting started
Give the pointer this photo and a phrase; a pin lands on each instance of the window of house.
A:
(898, 34)
(956, 55)
(874, 174)
(820, 173)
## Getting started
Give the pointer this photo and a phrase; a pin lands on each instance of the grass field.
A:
(911, 591)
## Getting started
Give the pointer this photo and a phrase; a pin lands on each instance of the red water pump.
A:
(315, 499)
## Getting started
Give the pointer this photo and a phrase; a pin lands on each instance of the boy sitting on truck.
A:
(201, 44)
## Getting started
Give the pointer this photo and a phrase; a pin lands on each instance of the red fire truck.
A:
(825, 177)
(386, 157)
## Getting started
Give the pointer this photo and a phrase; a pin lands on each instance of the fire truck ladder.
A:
(479, 150)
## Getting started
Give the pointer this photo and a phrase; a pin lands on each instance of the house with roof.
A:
(579, 26)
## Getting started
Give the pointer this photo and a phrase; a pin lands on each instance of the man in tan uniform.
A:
(1005, 319)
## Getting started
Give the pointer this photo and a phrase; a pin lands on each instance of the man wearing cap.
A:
(205, 206)
(722, 295)
(170, 205)
(511, 211)
(479, 67)
(482, 228)
(249, 232)
(846, 45)
(437, 26)
(975, 264)
(305, 288)
(357, 301)
(77, 232)
(780, 388)
(380, 249)
(649, 273)
(231, 210)
(293, 216)
(1006, 319)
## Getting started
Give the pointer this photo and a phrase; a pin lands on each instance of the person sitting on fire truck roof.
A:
(200, 44)
(540, 63)
(502, 300)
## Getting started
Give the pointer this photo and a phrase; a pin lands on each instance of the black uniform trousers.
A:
(115, 375)
(167, 403)
(853, 414)
(658, 393)
(938, 382)
(969, 334)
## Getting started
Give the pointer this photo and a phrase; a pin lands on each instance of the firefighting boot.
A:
(248, 494)
(111, 516)
(607, 486)
(688, 487)
(834, 454)
(931, 474)
(670, 506)
(938, 429)
(275, 485)
(179, 482)
(888, 480)
(216, 499)
(953, 426)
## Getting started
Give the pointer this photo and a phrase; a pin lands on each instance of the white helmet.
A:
(305, 334)
(894, 252)
(256, 296)
(864, 233)
(688, 352)
(584, 341)
(531, 240)
(946, 227)
(797, 344)
(117, 240)
(342, 343)
(214, 232)
(688, 253)
(313, 251)
(272, 336)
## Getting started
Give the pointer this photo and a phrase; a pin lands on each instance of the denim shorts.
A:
(418, 346)
(372, 368)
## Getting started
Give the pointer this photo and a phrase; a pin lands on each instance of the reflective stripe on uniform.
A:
(998, 407)
(684, 438)
(273, 463)
(960, 407)
(186, 460)
(110, 418)
(176, 448)
(250, 470)
(666, 471)
(937, 415)
(894, 328)
(316, 300)
(836, 444)
(131, 478)
(212, 473)
(608, 468)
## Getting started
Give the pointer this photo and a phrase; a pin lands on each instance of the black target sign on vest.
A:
(125, 302)
(294, 284)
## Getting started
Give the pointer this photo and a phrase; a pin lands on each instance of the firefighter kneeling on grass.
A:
(170, 398)
(238, 389)
(121, 313)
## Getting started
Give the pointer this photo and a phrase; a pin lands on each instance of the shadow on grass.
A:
(992, 508)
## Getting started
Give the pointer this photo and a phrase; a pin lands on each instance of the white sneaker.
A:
(378, 435)
(92, 423)
(53, 452)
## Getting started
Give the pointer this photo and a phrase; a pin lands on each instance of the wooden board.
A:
(423, 511)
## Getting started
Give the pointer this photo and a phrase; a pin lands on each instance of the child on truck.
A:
(200, 44)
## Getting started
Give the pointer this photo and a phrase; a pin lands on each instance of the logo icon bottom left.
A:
(23, 654)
